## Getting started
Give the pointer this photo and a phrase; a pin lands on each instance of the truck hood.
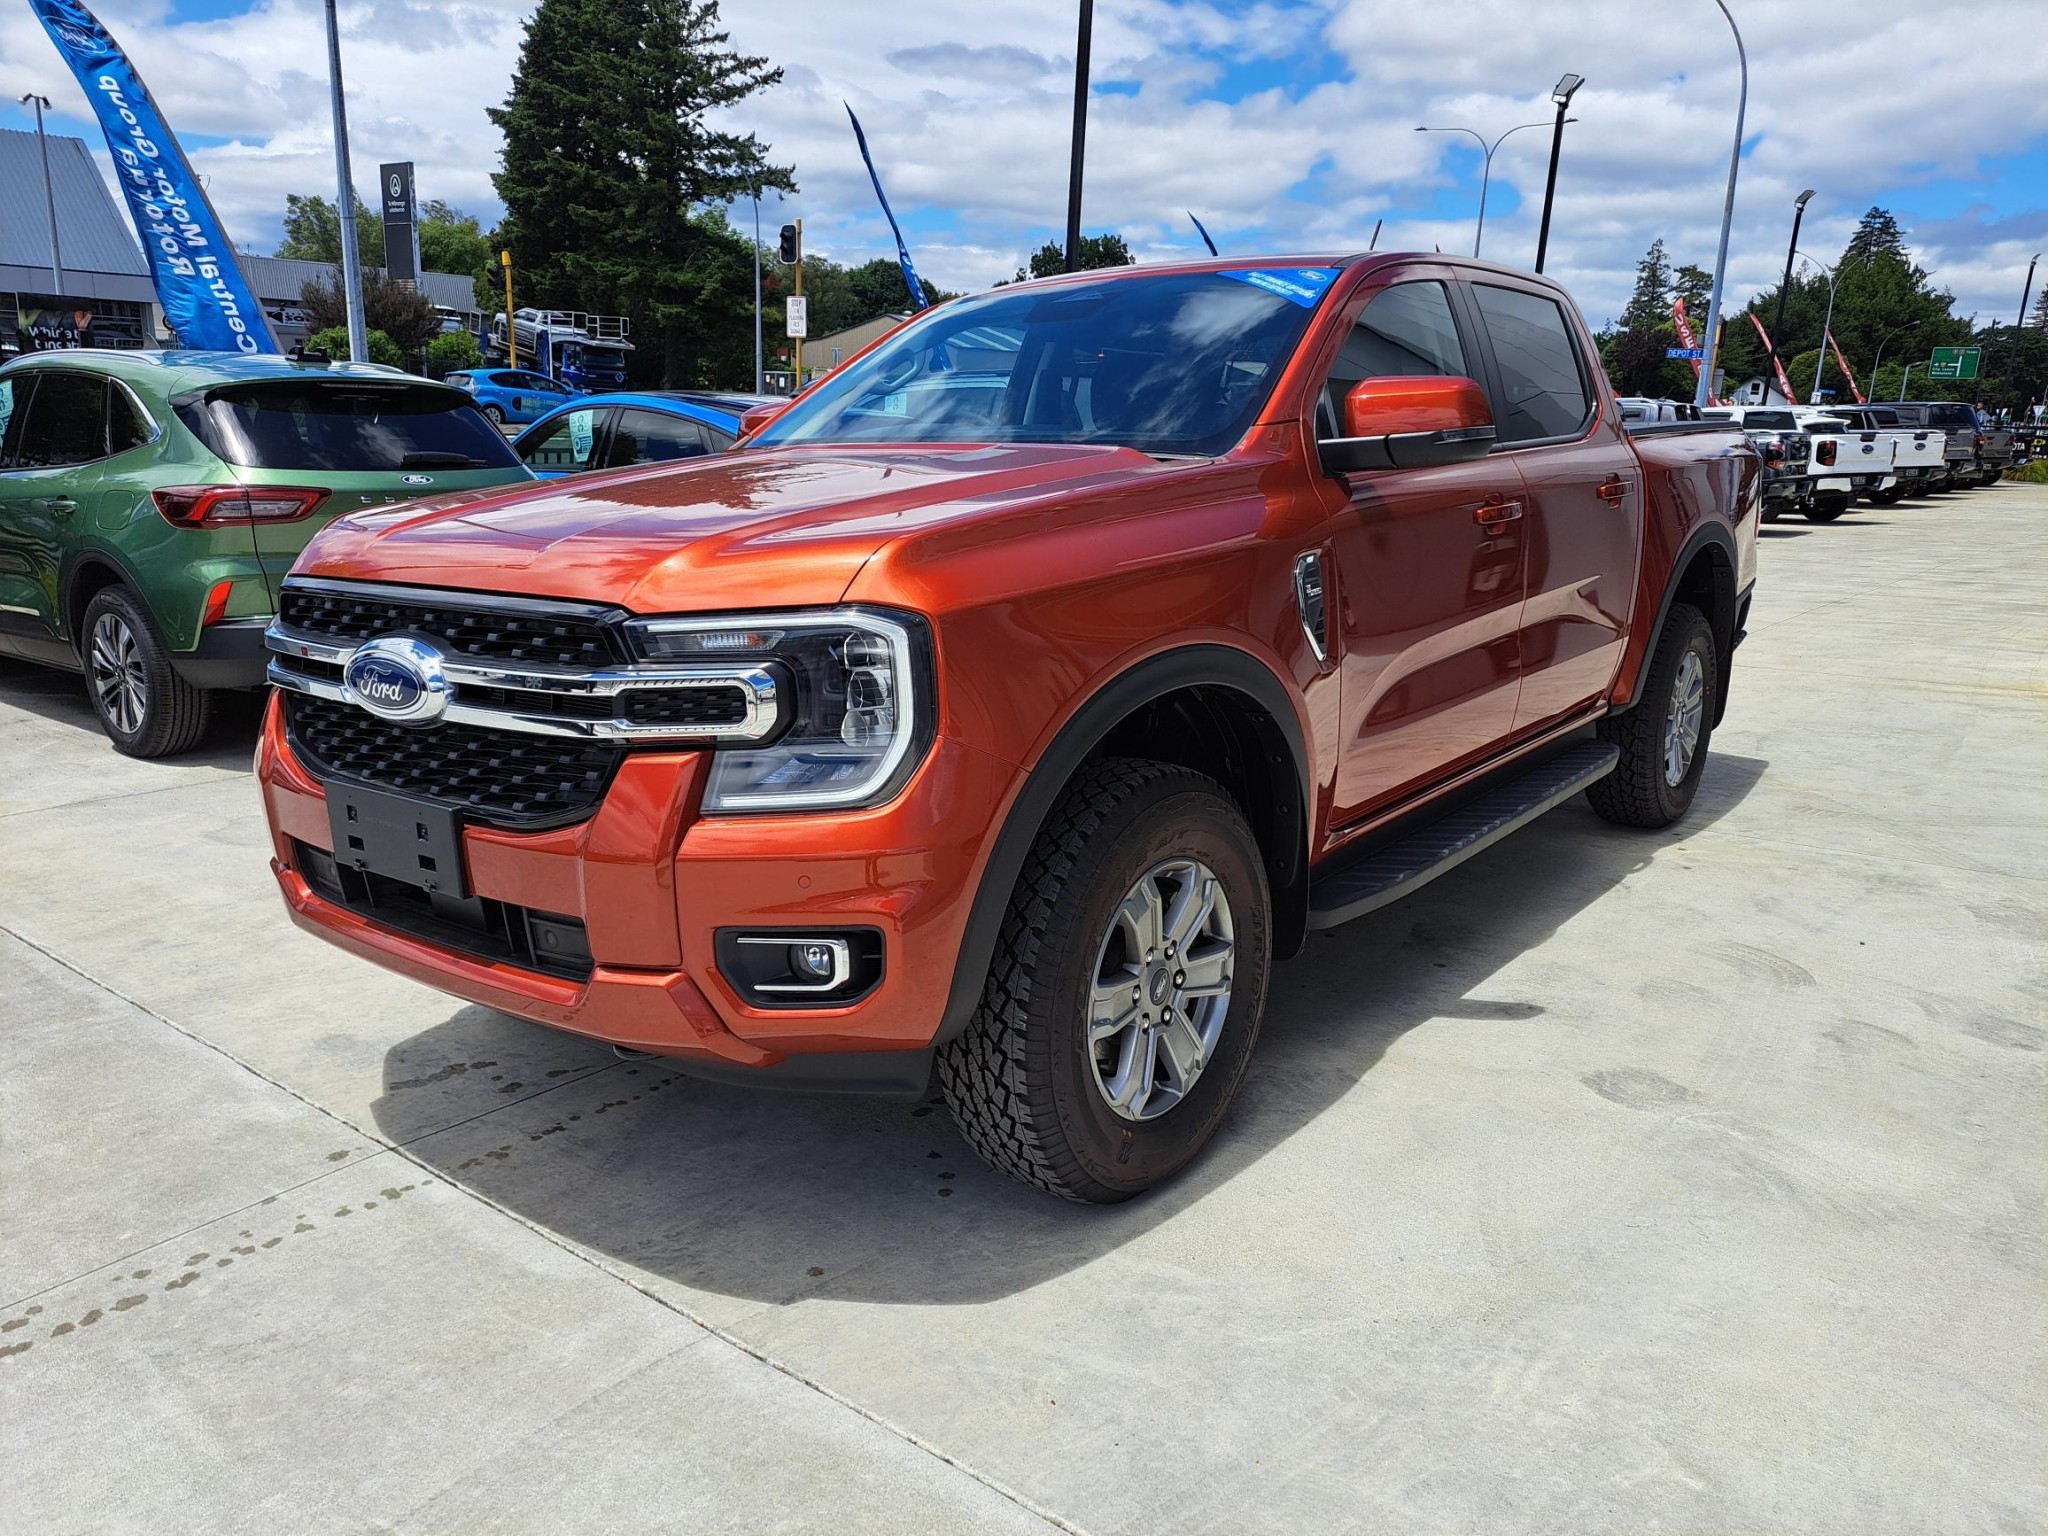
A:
(770, 528)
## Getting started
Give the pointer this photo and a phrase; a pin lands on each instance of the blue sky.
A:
(1286, 124)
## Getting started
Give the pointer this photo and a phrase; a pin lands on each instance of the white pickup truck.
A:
(1776, 435)
(1844, 462)
(1918, 453)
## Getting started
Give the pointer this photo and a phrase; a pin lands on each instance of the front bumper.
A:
(230, 654)
(652, 882)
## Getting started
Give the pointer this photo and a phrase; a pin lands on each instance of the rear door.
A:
(1428, 586)
(653, 437)
(1582, 491)
(46, 492)
(568, 445)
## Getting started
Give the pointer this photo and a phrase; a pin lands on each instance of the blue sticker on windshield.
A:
(1298, 285)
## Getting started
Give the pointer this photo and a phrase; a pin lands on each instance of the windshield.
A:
(1173, 364)
(321, 424)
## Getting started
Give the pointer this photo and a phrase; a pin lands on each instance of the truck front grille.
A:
(501, 777)
(497, 629)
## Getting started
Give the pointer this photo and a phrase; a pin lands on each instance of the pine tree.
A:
(608, 149)
(2040, 314)
(1650, 305)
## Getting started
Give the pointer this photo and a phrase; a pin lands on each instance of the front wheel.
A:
(145, 708)
(1126, 990)
(1663, 737)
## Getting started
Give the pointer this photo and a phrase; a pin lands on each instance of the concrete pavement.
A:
(1690, 1181)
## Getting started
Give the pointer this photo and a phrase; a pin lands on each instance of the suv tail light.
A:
(230, 506)
(1824, 451)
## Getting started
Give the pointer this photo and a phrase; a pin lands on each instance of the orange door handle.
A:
(1612, 489)
(1496, 514)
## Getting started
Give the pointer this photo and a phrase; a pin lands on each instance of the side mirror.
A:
(1410, 422)
(755, 417)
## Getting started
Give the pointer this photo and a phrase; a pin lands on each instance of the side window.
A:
(567, 446)
(1539, 365)
(645, 437)
(1406, 329)
(127, 427)
(67, 422)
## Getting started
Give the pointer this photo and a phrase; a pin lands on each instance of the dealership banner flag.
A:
(1854, 388)
(1202, 232)
(206, 299)
(1685, 335)
(917, 297)
(1784, 384)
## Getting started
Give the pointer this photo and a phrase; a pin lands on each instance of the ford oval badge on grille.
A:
(398, 678)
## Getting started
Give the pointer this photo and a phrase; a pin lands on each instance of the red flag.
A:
(1685, 336)
(1858, 393)
(1784, 384)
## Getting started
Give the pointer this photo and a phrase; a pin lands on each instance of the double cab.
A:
(1013, 733)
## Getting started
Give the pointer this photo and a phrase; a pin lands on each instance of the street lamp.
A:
(1906, 379)
(1826, 323)
(1791, 250)
(42, 104)
(1486, 175)
(1087, 29)
(1566, 89)
(1910, 325)
(1710, 344)
(345, 198)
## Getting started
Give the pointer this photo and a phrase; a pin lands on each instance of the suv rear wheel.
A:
(145, 708)
(1126, 991)
(1828, 506)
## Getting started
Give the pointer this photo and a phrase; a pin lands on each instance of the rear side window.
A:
(647, 437)
(323, 424)
(568, 443)
(126, 425)
(67, 422)
(1406, 329)
(1540, 372)
(1951, 416)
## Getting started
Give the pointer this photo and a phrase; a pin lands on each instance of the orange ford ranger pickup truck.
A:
(1005, 707)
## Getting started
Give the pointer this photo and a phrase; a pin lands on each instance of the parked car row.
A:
(1819, 459)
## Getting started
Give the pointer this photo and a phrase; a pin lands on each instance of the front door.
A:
(46, 490)
(1428, 589)
(1582, 489)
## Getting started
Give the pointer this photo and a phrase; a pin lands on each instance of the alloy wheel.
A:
(1686, 715)
(1160, 989)
(118, 680)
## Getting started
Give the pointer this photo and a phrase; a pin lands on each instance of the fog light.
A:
(808, 968)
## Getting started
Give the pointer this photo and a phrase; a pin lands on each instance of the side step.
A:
(1399, 868)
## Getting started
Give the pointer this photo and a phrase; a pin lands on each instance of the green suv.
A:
(150, 503)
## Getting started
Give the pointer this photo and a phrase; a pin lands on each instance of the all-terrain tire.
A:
(144, 706)
(1640, 793)
(1825, 509)
(1020, 1080)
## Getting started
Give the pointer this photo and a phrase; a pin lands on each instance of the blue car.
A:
(613, 431)
(513, 394)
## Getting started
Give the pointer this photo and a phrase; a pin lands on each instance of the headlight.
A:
(860, 703)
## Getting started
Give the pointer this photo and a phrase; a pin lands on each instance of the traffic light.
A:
(789, 245)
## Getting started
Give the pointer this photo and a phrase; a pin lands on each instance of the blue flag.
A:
(1202, 232)
(206, 299)
(917, 297)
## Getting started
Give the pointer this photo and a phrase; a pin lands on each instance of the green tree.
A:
(1634, 352)
(452, 350)
(453, 241)
(1107, 250)
(2040, 315)
(334, 342)
(312, 231)
(609, 150)
(405, 315)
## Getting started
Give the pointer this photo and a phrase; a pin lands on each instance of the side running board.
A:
(1399, 868)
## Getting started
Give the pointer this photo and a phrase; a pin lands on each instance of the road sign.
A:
(1681, 354)
(401, 221)
(798, 311)
(1959, 363)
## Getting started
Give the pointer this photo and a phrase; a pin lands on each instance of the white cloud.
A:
(967, 107)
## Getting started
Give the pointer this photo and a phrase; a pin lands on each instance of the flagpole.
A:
(345, 191)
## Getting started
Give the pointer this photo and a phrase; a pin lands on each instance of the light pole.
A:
(1910, 325)
(1080, 135)
(1566, 89)
(1906, 379)
(1821, 366)
(757, 289)
(1710, 344)
(50, 196)
(2025, 293)
(1486, 175)
(345, 192)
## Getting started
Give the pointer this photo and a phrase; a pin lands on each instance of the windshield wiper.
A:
(440, 459)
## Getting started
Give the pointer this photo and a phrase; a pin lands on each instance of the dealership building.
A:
(93, 288)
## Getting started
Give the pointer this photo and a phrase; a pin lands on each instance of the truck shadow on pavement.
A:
(710, 1190)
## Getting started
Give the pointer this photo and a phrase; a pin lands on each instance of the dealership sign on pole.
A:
(401, 221)
(1958, 363)
(798, 312)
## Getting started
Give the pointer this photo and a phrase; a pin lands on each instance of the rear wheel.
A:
(145, 708)
(1663, 737)
(496, 415)
(1826, 509)
(1888, 496)
(1126, 990)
